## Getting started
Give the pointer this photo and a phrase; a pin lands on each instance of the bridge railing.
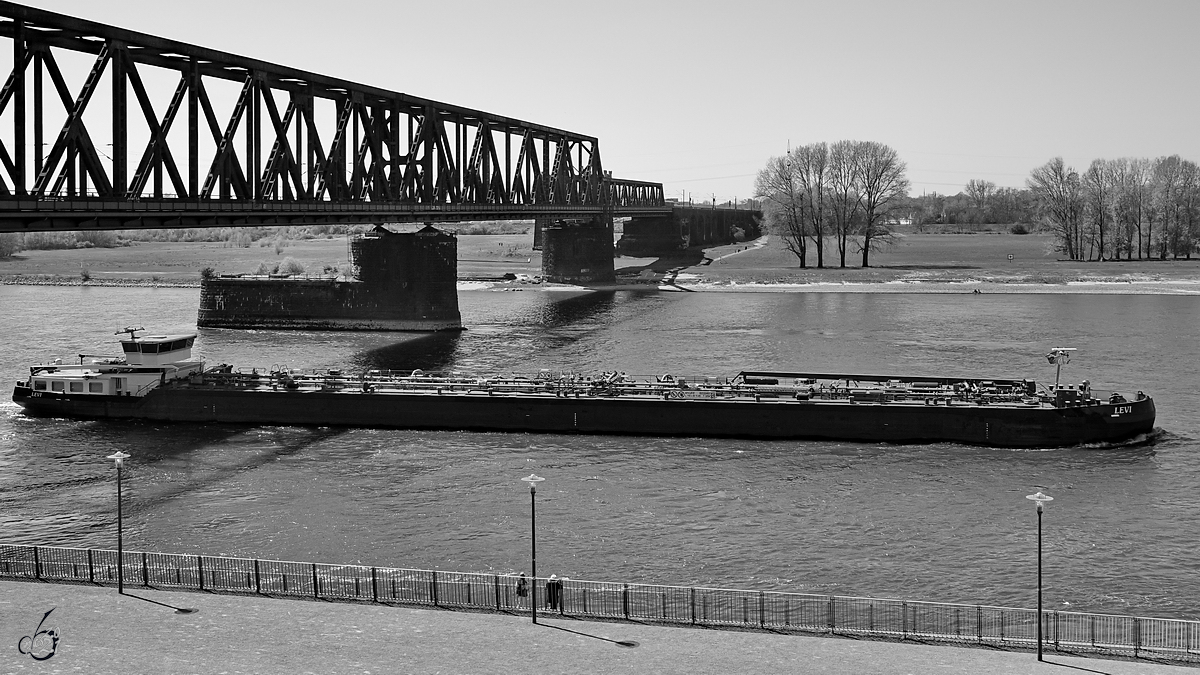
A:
(930, 622)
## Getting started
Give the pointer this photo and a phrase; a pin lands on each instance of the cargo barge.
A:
(156, 379)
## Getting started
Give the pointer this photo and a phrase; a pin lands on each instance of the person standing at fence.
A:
(522, 590)
(553, 591)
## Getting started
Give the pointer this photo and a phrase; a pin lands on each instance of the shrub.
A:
(207, 273)
(1019, 228)
(290, 266)
(84, 273)
(10, 243)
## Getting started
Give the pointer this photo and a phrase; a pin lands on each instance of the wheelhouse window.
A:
(56, 385)
(39, 385)
(95, 387)
(77, 386)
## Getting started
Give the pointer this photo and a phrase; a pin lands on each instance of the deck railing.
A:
(931, 622)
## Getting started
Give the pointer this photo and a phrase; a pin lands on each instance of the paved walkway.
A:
(101, 632)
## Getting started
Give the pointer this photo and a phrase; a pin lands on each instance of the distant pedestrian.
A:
(522, 590)
(553, 592)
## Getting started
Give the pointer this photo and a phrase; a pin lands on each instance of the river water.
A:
(939, 522)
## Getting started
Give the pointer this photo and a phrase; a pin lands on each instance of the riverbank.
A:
(238, 634)
(917, 263)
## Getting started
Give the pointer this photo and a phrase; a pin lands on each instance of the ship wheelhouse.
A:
(148, 361)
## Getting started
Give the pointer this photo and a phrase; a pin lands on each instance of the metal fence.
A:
(933, 622)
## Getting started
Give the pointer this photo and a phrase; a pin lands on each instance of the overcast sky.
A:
(698, 94)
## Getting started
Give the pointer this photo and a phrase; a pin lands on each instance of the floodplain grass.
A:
(926, 258)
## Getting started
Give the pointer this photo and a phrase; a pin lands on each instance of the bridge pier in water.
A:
(403, 282)
(578, 251)
(688, 226)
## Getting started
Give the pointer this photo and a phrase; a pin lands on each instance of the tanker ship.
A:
(156, 379)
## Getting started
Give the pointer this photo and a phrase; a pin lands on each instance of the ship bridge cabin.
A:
(158, 350)
(148, 362)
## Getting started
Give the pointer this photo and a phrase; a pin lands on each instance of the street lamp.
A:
(1040, 498)
(119, 458)
(533, 480)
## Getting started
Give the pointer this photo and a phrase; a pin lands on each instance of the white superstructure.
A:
(147, 362)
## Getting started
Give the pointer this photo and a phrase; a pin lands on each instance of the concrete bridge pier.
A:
(688, 226)
(578, 251)
(402, 282)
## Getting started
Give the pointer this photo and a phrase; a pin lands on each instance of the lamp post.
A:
(1040, 498)
(119, 458)
(533, 480)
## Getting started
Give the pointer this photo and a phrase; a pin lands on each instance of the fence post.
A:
(832, 622)
(37, 564)
(257, 578)
(693, 603)
(979, 622)
(1092, 628)
(1137, 636)
(434, 587)
(374, 586)
(496, 579)
(316, 582)
(625, 600)
(200, 570)
(1056, 630)
(91, 568)
(762, 609)
(903, 620)
(145, 570)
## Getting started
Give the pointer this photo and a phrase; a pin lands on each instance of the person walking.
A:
(553, 591)
(522, 590)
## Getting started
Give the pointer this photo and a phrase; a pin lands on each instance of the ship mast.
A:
(132, 330)
(1059, 356)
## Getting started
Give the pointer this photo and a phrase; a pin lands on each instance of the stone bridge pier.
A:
(688, 226)
(577, 251)
(401, 282)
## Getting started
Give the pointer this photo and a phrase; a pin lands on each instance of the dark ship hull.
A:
(745, 411)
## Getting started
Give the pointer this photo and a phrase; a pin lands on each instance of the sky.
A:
(698, 95)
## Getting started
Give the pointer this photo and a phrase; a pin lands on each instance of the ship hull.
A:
(781, 418)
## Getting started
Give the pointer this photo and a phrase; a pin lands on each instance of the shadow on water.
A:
(432, 351)
(558, 312)
(283, 447)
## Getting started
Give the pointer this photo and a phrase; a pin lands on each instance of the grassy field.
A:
(930, 258)
(181, 262)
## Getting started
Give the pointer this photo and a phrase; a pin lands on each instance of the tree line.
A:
(842, 195)
(1121, 207)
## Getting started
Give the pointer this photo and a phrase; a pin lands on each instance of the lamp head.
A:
(533, 480)
(118, 458)
(1040, 498)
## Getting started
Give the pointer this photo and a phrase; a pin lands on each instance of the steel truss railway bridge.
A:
(241, 142)
(295, 148)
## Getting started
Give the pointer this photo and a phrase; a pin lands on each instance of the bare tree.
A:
(783, 199)
(1099, 186)
(810, 164)
(882, 185)
(844, 203)
(1059, 193)
(980, 192)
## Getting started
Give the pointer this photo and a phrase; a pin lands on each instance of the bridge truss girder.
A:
(295, 146)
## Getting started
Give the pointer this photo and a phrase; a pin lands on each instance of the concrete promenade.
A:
(102, 632)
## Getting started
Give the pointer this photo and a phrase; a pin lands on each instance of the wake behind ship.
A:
(157, 380)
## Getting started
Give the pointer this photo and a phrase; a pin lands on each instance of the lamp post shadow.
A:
(619, 643)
